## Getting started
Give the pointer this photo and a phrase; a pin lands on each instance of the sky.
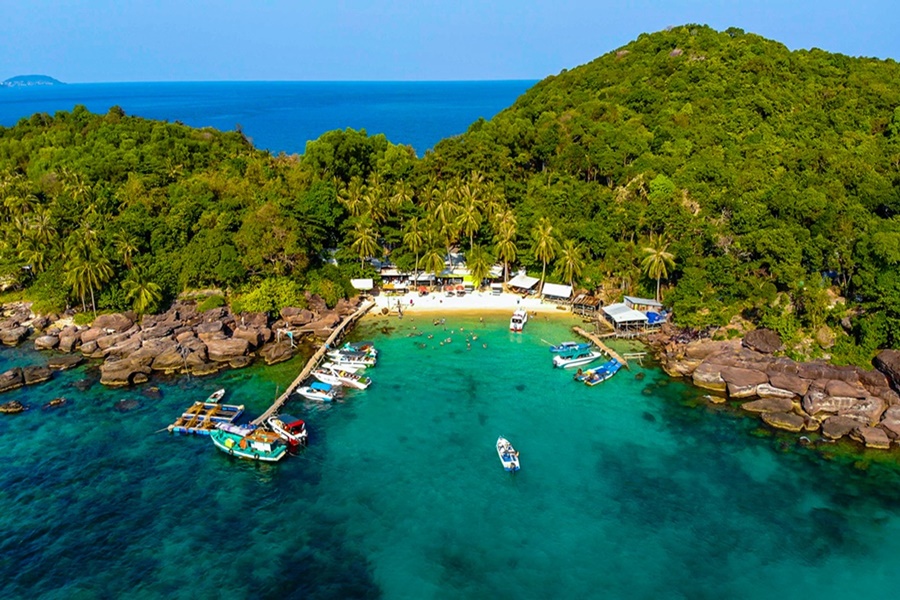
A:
(80, 41)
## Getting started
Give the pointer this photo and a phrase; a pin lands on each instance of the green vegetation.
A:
(733, 178)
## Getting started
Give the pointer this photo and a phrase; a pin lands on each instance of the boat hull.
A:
(219, 439)
(509, 458)
(569, 363)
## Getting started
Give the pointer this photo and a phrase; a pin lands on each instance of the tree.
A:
(656, 259)
(414, 240)
(144, 294)
(544, 245)
(126, 246)
(571, 261)
(365, 242)
(87, 269)
(505, 240)
(469, 218)
(479, 262)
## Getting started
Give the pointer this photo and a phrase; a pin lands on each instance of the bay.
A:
(283, 116)
(636, 488)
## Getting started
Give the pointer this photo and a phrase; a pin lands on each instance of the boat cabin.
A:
(292, 424)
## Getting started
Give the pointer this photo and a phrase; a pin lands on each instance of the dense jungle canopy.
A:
(745, 180)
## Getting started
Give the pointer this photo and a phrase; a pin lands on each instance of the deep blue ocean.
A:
(283, 116)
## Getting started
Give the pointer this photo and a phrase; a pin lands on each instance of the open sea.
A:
(636, 488)
(283, 116)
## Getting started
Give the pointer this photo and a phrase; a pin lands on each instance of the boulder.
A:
(765, 405)
(88, 349)
(126, 347)
(789, 382)
(170, 360)
(837, 427)
(315, 303)
(787, 421)
(122, 372)
(46, 342)
(108, 341)
(40, 323)
(825, 337)
(11, 380)
(872, 437)
(277, 352)
(213, 330)
(742, 383)
(185, 335)
(157, 331)
(14, 336)
(888, 362)
(92, 335)
(252, 336)
(67, 342)
(240, 362)
(150, 349)
(225, 350)
(205, 368)
(64, 362)
(704, 348)
(116, 322)
(836, 387)
(297, 317)
(37, 374)
(709, 377)
(256, 320)
(765, 390)
(763, 340)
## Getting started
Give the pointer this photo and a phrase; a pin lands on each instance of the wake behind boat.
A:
(509, 457)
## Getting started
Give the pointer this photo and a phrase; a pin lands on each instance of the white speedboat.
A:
(338, 376)
(348, 368)
(344, 358)
(319, 391)
(508, 455)
(575, 359)
(518, 320)
(291, 429)
(215, 396)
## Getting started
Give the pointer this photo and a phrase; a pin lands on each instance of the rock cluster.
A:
(837, 401)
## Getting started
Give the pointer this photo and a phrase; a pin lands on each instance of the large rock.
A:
(93, 334)
(108, 341)
(789, 382)
(864, 410)
(709, 377)
(252, 336)
(205, 368)
(872, 437)
(837, 427)
(277, 352)
(784, 420)
(765, 390)
(170, 360)
(888, 362)
(152, 348)
(763, 340)
(64, 361)
(11, 380)
(297, 317)
(14, 336)
(255, 320)
(836, 387)
(46, 342)
(67, 343)
(122, 373)
(116, 322)
(225, 350)
(890, 421)
(213, 330)
(157, 331)
(126, 347)
(742, 383)
(89, 349)
(765, 405)
(36, 374)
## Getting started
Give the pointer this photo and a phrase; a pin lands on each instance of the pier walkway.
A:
(596, 339)
(314, 361)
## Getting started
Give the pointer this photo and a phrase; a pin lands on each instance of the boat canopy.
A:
(290, 421)
(523, 281)
(322, 387)
(235, 429)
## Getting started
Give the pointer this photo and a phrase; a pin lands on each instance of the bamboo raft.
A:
(599, 343)
(314, 362)
(201, 417)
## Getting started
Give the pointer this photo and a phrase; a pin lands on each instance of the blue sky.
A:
(205, 40)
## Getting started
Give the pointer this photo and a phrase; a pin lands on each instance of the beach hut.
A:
(624, 318)
(585, 305)
(522, 283)
(642, 304)
(557, 292)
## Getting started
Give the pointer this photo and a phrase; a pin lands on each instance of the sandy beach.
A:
(412, 303)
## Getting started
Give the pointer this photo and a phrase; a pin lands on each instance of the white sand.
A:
(473, 302)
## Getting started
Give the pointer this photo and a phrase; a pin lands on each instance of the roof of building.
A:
(557, 290)
(586, 300)
(642, 301)
(523, 281)
(621, 313)
(362, 284)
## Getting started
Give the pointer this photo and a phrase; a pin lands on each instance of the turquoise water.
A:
(282, 116)
(631, 489)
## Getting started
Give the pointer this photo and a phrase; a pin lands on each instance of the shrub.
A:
(211, 302)
(270, 296)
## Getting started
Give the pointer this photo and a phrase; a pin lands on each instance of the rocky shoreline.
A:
(180, 340)
(788, 395)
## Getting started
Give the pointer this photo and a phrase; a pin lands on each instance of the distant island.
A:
(27, 80)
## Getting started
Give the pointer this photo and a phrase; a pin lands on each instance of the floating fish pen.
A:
(203, 417)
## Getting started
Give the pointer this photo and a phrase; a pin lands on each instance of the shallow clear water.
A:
(282, 116)
(631, 489)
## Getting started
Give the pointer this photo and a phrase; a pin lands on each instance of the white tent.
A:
(622, 315)
(523, 281)
(363, 285)
(557, 290)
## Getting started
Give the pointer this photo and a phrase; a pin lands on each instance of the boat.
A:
(350, 358)
(518, 320)
(215, 396)
(603, 372)
(291, 429)
(319, 391)
(338, 376)
(348, 368)
(508, 455)
(566, 347)
(575, 359)
(12, 407)
(247, 442)
(362, 346)
(55, 403)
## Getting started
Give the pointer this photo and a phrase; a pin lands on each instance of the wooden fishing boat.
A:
(248, 443)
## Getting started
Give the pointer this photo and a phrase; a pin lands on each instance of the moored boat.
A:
(291, 429)
(518, 320)
(566, 347)
(215, 396)
(603, 372)
(249, 443)
(319, 391)
(338, 376)
(509, 457)
(575, 359)
(348, 368)
(351, 358)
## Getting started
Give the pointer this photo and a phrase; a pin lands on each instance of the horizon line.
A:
(511, 80)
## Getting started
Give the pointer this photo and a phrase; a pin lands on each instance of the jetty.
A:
(599, 343)
(314, 361)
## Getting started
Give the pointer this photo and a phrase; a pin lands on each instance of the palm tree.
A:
(126, 246)
(433, 260)
(571, 261)
(414, 240)
(86, 269)
(656, 259)
(351, 196)
(145, 294)
(544, 245)
(365, 242)
(479, 262)
(469, 218)
(403, 195)
(505, 244)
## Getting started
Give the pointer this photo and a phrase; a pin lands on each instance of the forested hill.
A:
(765, 169)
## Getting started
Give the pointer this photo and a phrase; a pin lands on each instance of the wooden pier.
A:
(314, 361)
(599, 343)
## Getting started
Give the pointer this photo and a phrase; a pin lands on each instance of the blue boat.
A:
(566, 347)
(603, 372)
(319, 391)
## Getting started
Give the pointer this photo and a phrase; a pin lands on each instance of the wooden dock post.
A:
(596, 339)
(313, 362)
